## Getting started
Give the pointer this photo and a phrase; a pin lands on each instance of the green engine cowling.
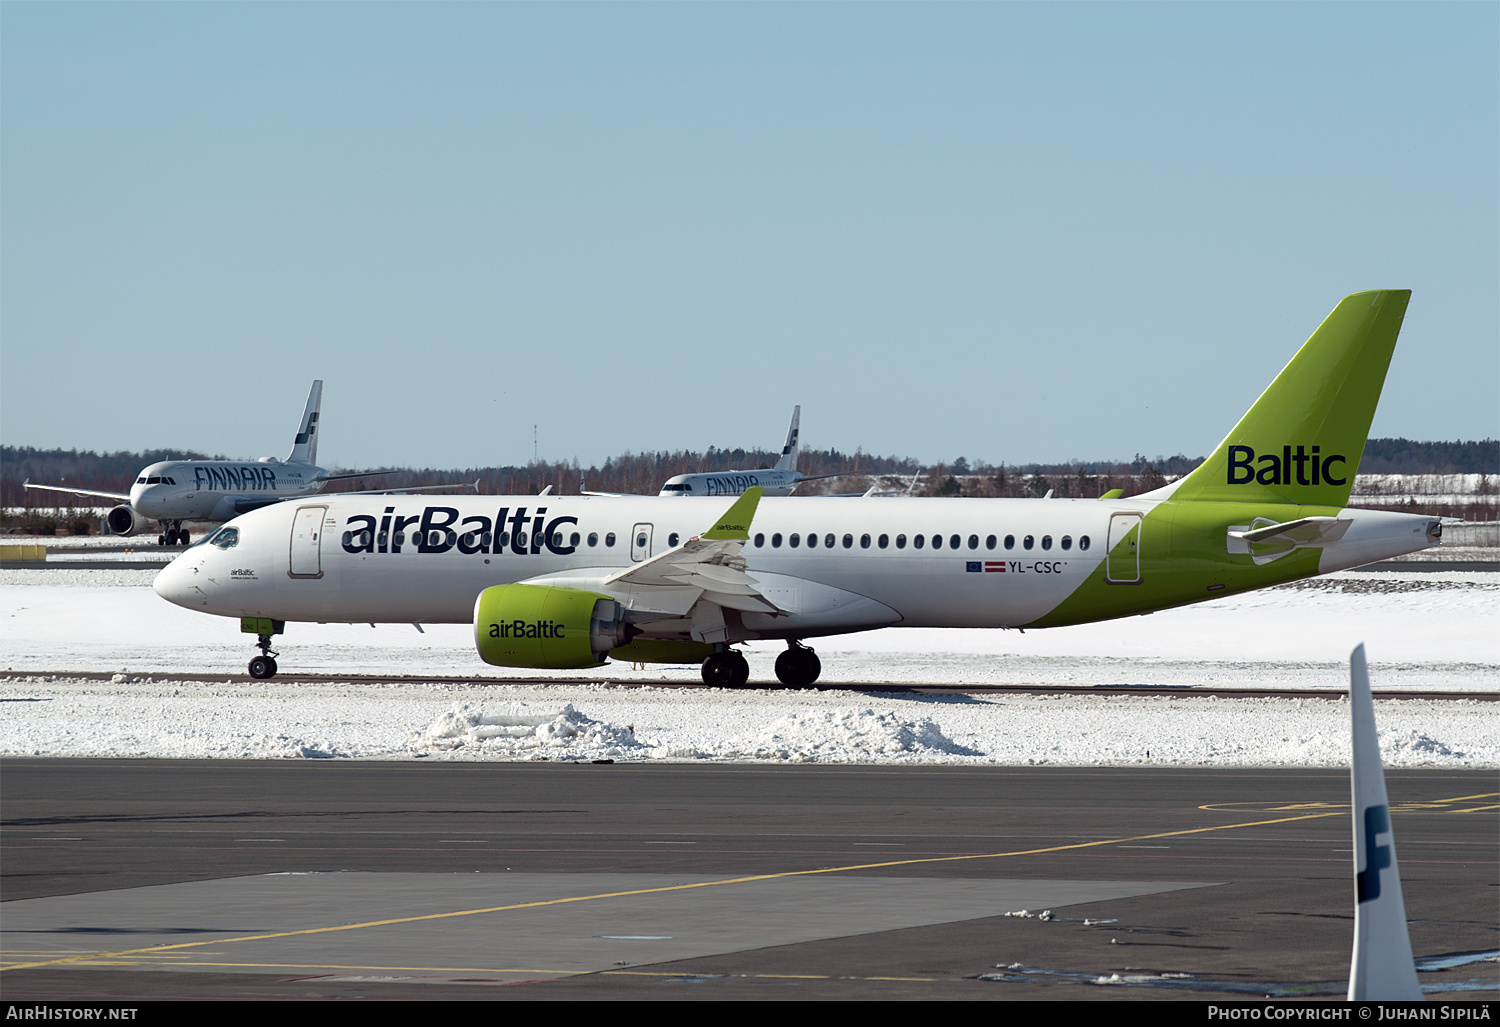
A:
(546, 627)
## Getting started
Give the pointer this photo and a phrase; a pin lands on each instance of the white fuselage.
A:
(217, 490)
(731, 483)
(980, 563)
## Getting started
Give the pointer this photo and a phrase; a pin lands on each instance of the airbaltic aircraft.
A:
(774, 481)
(173, 491)
(566, 582)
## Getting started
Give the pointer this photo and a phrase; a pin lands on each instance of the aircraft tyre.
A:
(798, 667)
(262, 667)
(161, 540)
(728, 669)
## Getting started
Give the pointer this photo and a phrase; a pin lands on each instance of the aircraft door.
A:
(1122, 565)
(307, 535)
(640, 542)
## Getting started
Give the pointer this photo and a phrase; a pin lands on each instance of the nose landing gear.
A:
(264, 665)
(263, 628)
(799, 666)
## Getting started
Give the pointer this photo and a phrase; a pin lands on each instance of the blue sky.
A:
(1014, 232)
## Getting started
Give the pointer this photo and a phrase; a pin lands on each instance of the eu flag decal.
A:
(974, 567)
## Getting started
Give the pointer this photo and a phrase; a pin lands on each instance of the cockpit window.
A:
(225, 538)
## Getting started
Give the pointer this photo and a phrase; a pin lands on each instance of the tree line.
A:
(645, 472)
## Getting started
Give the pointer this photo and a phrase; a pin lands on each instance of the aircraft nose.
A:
(176, 583)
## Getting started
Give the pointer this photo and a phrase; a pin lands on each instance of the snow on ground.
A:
(1424, 632)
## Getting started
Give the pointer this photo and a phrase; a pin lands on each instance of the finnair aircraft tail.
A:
(788, 461)
(305, 446)
(1381, 967)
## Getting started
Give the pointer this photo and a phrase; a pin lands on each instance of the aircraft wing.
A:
(244, 504)
(120, 497)
(708, 567)
(351, 474)
(413, 488)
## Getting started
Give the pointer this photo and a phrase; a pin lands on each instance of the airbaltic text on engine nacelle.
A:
(546, 627)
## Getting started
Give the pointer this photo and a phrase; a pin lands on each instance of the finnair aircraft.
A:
(571, 581)
(173, 491)
(774, 481)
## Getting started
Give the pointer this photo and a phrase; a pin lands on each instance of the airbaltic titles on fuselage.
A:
(528, 534)
(437, 529)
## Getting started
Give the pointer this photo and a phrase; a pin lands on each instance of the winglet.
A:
(1381, 967)
(735, 524)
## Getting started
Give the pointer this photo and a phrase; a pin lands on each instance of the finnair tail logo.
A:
(312, 426)
(1377, 857)
(1309, 468)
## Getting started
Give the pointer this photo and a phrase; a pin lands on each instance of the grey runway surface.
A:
(146, 879)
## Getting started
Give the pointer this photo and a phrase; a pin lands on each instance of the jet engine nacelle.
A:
(546, 627)
(125, 520)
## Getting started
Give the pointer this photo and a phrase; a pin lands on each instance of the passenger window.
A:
(954, 541)
(485, 540)
(795, 540)
(672, 539)
(937, 542)
(918, 541)
(1010, 542)
(1067, 542)
(1027, 542)
(989, 542)
(399, 539)
(812, 541)
(864, 542)
(849, 541)
(609, 540)
(593, 539)
(1046, 541)
(776, 541)
(973, 541)
(557, 540)
(900, 541)
(504, 539)
(640, 540)
(828, 541)
(884, 542)
(1083, 541)
(573, 540)
(760, 540)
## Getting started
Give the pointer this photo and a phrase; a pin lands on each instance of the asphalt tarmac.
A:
(135, 880)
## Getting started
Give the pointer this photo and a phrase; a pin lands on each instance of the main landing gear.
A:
(799, 666)
(726, 669)
(174, 535)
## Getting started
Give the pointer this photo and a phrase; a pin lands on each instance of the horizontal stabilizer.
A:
(1268, 541)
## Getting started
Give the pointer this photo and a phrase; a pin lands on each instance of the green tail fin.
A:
(1302, 440)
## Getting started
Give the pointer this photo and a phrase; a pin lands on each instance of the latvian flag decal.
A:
(985, 567)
